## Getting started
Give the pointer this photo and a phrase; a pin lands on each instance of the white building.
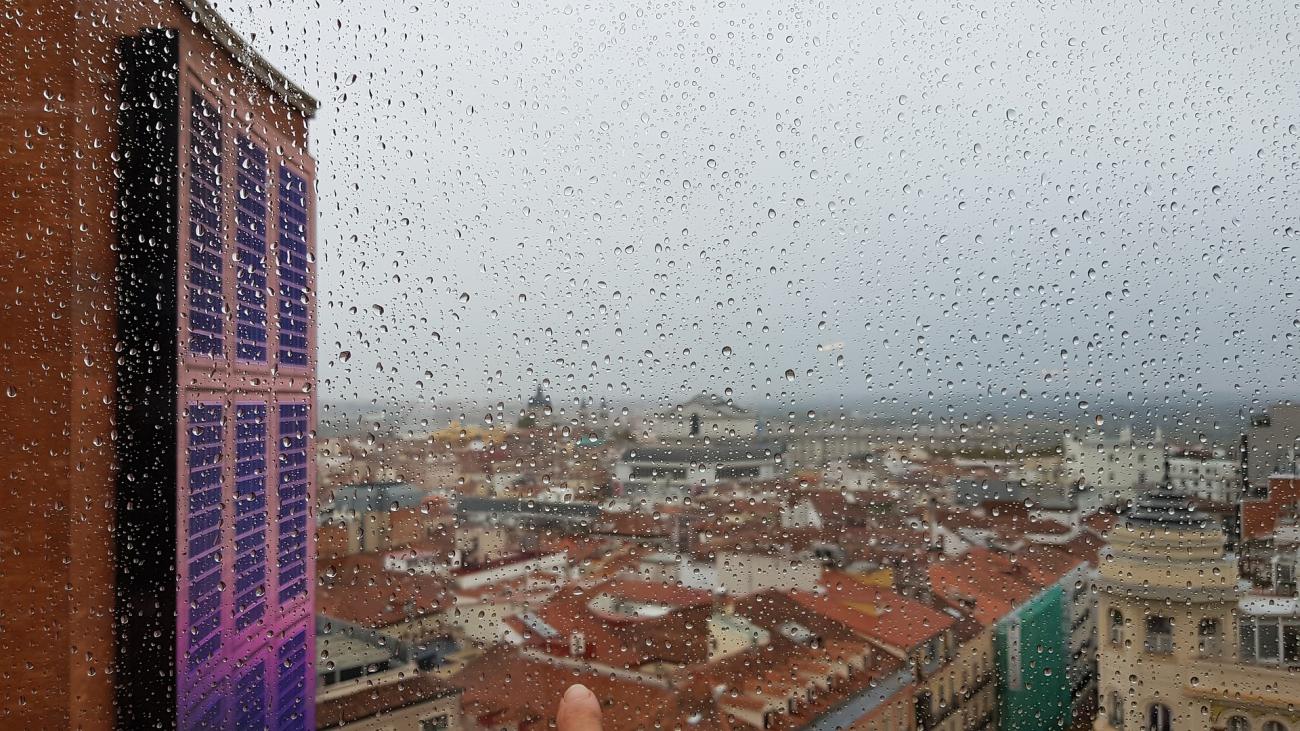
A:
(1206, 474)
(704, 416)
(667, 474)
(1112, 469)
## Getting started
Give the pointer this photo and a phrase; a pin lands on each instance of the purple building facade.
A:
(217, 390)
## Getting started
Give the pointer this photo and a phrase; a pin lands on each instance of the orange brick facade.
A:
(59, 117)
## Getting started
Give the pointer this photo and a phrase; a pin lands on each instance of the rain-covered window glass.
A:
(1115, 710)
(1159, 718)
(250, 257)
(1116, 627)
(206, 223)
(650, 364)
(1208, 636)
(1160, 635)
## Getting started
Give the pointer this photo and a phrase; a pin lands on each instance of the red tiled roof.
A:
(779, 670)
(994, 583)
(771, 609)
(359, 590)
(578, 549)
(1046, 564)
(1101, 522)
(377, 701)
(504, 681)
(882, 615)
(672, 595)
(1087, 546)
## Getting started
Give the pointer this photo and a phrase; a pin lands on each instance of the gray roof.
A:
(844, 714)
(974, 492)
(526, 506)
(1167, 509)
(372, 497)
(346, 651)
(719, 451)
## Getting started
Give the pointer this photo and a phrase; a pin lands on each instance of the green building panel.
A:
(1032, 653)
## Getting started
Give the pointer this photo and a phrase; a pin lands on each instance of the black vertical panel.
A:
(145, 535)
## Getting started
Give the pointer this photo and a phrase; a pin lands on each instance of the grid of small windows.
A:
(250, 513)
(206, 716)
(291, 688)
(292, 517)
(292, 271)
(204, 477)
(206, 320)
(250, 252)
(250, 710)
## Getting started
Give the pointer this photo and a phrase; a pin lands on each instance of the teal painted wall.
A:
(1032, 648)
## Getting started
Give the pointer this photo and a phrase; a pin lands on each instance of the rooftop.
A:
(1166, 509)
(249, 58)
(381, 699)
(719, 451)
(358, 589)
(508, 683)
(346, 651)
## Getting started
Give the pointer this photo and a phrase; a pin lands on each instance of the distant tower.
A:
(538, 409)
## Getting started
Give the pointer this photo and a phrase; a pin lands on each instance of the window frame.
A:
(1159, 642)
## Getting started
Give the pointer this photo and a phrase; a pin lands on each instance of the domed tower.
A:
(1167, 591)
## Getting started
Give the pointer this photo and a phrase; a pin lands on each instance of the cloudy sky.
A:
(1015, 201)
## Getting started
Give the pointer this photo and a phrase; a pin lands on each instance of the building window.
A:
(204, 231)
(1267, 643)
(292, 515)
(1247, 640)
(1116, 635)
(291, 693)
(1159, 718)
(250, 252)
(1160, 635)
(1291, 642)
(1238, 723)
(204, 475)
(250, 513)
(1115, 710)
(251, 698)
(1207, 637)
(1270, 640)
(1274, 726)
(1283, 575)
(293, 267)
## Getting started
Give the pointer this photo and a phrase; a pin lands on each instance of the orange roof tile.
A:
(359, 590)
(380, 700)
(994, 583)
(882, 615)
(505, 681)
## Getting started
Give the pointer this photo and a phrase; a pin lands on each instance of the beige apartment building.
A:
(1184, 645)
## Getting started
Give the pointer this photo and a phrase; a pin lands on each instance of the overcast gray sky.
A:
(642, 199)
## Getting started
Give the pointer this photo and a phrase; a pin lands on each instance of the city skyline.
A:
(738, 366)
